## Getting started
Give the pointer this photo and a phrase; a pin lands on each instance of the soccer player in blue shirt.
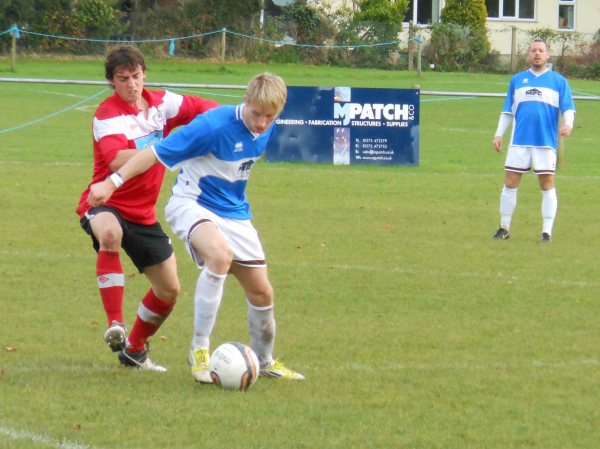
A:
(208, 210)
(536, 98)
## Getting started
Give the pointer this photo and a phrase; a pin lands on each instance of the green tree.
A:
(16, 12)
(383, 11)
(306, 24)
(470, 13)
(375, 22)
(95, 19)
(44, 16)
(472, 16)
(210, 15)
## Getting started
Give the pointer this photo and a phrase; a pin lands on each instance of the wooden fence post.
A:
(13, 50)
(419, 52)
(223, 45)
(513, 49)
(411, 45)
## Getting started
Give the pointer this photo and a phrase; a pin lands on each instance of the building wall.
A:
(587, 23)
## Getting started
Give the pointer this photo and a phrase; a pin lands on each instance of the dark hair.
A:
(123, 56)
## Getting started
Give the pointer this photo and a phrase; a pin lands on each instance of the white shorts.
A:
(523, 159)
(185, 216)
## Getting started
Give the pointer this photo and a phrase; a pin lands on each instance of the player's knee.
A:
(110, 237)
(169, 292)
(219, 261)
(546, 182)
(262, 296)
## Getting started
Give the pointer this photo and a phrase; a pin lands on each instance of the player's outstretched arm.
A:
(101, 192)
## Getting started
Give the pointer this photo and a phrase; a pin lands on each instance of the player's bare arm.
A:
(121, 158)
(101, 192)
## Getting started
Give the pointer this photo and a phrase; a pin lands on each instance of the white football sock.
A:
(261, 326)
(207, 298)
(549, 207)
(508, 204)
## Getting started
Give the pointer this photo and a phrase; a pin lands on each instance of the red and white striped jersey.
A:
(118, 126)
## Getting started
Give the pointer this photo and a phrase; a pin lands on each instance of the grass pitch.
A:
(414, 329)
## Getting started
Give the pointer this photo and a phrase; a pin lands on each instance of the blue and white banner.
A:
(347, 125)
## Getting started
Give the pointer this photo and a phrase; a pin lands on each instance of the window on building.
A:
(492, 7)
(421, 11)
(510, 9)
(566, 14)
(526, 9)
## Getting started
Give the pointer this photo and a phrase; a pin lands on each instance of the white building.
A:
(582, 16)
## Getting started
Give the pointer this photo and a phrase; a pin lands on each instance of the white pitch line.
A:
(534, 364)
(17, 253)
(17, 434)
(60, 369)
(433, 273)
(62, 94)
(43, 164)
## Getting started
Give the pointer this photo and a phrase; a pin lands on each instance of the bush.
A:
(472, 15)
(587, 64)
(449, 47)
(492, 63)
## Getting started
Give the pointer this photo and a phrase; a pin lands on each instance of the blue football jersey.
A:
(535, 102)
(214, 153)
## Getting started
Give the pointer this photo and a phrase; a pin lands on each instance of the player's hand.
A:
(100, 192)
(497, 143)
(565, 130)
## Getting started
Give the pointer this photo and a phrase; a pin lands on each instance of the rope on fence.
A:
(171, 40)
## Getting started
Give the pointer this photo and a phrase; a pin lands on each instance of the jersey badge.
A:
(244, 169)
(239, 147)
(533, 92)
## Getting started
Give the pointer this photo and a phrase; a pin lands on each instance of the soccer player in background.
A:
(126, 122)
(208, 210)
(534, 101)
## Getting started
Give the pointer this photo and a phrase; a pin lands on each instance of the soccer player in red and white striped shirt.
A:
(126, 122)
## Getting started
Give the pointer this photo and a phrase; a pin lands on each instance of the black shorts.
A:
(146, 245)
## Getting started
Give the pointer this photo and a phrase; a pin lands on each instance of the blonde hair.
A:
(268, 91)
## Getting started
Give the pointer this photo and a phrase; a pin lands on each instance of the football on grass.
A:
(234, 366)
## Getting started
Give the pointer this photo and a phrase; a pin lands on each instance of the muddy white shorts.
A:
(185, 216)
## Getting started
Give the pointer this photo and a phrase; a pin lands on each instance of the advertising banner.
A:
(347, 126)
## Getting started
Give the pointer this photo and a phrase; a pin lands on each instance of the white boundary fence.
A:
(242, 87)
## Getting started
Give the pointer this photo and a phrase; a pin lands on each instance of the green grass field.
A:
(414, 329)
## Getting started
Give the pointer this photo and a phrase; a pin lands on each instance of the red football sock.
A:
(152, 312)
(111, 283)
